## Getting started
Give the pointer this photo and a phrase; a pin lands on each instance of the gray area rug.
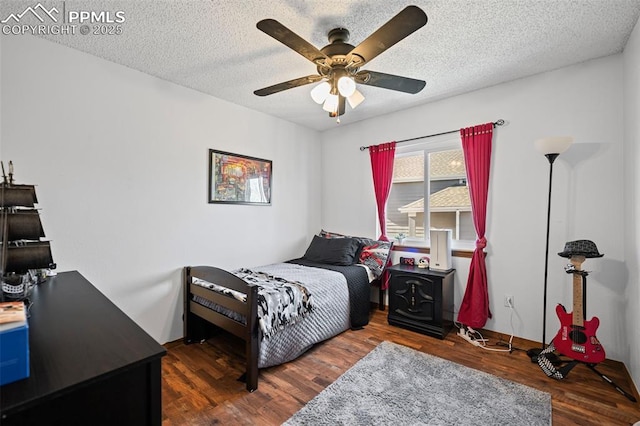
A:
(396, 385)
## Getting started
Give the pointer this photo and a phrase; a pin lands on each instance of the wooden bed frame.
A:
(198, 317)
(193, 312)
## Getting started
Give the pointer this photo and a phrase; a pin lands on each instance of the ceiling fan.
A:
(339, 63)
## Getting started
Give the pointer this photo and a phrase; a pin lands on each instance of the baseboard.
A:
(634, 390)
(525, 344)
(173, 343)
(376, 305)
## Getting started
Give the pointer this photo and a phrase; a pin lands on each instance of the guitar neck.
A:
(578, 307)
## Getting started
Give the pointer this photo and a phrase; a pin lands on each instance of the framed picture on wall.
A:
(239, 179)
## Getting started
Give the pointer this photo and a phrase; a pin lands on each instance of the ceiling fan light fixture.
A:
(355, 99)
(320, 92)
(346, 86)
(331, 104)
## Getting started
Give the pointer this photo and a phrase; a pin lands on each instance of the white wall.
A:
(584, 101)
(632, 200)
(120, 159)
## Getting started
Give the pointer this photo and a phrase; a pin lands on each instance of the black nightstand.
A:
(421, 299)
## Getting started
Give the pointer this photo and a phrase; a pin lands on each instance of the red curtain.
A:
(382, 167)
(476, 144)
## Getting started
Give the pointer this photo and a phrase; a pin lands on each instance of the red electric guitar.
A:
(577, 337)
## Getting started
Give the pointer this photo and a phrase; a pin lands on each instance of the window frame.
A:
(437, 144)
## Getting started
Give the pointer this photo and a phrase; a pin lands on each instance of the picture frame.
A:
(239, 179)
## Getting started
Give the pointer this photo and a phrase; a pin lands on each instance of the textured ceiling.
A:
(214, 46)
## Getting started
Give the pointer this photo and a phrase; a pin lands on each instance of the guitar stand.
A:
(608, 380)
(563, 371)
(547, 365)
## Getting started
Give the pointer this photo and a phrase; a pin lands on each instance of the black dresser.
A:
(421, 299)
(90, 363)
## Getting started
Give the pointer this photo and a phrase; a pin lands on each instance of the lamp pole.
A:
(551, 148)
(551, 158)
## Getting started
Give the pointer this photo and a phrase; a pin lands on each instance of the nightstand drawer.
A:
(421, 300)
(413, 297)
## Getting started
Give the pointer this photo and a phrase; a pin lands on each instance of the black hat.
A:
(584, 248)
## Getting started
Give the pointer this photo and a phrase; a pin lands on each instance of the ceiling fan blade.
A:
(288, 85)
(290, 39)
(400, 26)
(390, 81)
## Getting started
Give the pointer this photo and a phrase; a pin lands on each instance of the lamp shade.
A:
(355, 99)
(331, 104)
(553, 145)
(320, 92)
(346, 86)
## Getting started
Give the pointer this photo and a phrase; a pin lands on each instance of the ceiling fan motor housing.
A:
(337, 50)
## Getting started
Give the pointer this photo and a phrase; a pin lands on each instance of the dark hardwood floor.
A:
(200, 384)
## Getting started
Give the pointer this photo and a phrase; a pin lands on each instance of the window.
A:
(435, 172)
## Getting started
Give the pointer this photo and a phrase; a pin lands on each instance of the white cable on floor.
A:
(469, 334)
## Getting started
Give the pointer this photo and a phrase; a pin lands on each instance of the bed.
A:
(281, 310)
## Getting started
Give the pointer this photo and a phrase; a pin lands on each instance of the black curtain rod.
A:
(497, 123)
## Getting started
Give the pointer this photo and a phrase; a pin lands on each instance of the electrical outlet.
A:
(508, 301)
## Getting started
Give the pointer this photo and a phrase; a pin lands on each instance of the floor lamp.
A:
(551, 148)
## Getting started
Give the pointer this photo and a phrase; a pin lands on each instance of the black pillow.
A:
(334, 251)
